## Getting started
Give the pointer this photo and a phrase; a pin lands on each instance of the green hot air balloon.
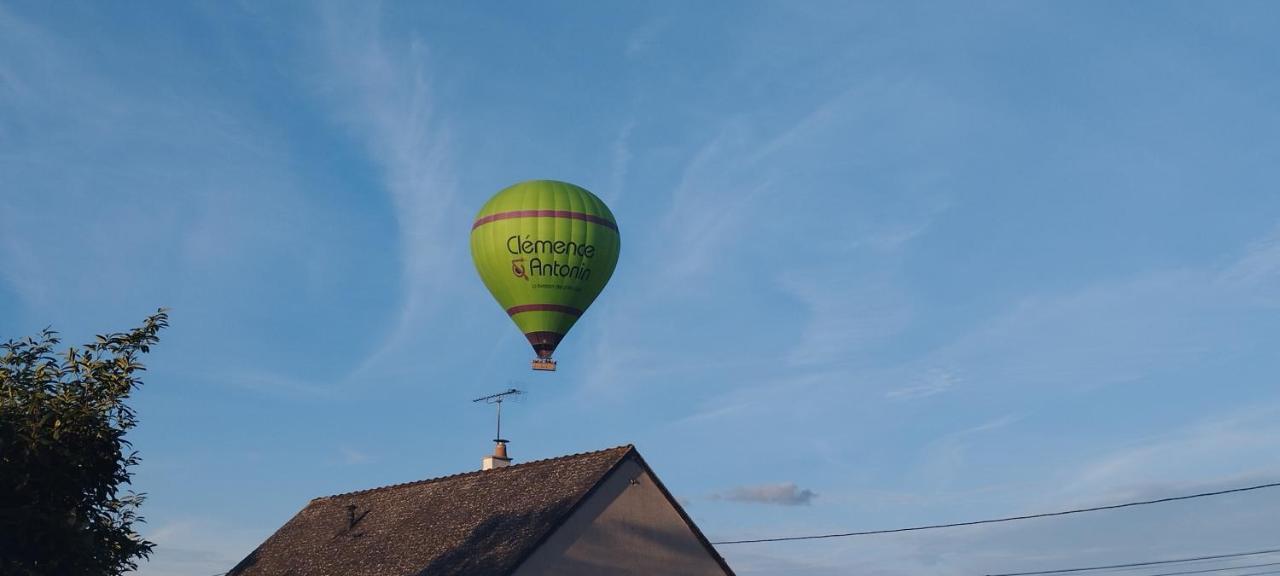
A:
(545, 249)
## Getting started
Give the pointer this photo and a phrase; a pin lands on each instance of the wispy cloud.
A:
(620, 164)
(893, 236)
(1117, 330)
(642, 39)
(947, 458)
(710, 200)
(1257, 271)
(382, 91)
(611, 364)
(273, 384)
(191, 546)
(350, 456)
(933, 381)
(1228, 446)
(844, 318)
(723, 183)
(737, 205)
(784, 494)
(745, 197)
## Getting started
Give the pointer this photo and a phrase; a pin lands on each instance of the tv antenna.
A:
(498, 399)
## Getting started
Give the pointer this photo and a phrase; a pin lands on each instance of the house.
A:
(599, 513)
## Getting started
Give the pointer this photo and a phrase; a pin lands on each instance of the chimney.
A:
(499, 458)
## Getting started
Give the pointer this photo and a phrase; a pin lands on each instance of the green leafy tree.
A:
(64, 459)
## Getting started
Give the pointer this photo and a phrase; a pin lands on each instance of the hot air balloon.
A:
(545, 250)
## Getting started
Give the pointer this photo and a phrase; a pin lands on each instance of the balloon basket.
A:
(544, 364)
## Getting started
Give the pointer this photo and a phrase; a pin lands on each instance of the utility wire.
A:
(1218, 570)
(1231, 568)
(1135, 564)
(1250, 573)
(1005, 519)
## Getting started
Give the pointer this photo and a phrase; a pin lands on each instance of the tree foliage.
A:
(64, 459)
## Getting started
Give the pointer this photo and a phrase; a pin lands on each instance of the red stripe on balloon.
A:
(512, 311)
(592, 218)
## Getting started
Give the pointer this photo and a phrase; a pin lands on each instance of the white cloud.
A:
(844, 317)
(271, 383)
(351, 456)
(946, 459)
(1105, 334)
(1257, 272)
(1118, 330)
(642, 39)
(620, 164)
(710, 201)
(933, 381)
(381, 90)
(1233, 447)
(784, 494)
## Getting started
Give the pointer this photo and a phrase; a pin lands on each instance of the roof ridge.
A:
(629, 448)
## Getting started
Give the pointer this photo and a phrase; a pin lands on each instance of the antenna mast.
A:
(499, 459)
(498, 399)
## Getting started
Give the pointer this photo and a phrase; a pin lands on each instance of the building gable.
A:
(628, 526)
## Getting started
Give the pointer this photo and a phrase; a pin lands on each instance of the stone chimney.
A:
(499, 458)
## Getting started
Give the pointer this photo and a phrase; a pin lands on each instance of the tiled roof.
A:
(483, 522)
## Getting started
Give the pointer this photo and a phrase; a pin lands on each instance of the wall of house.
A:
(627, 527)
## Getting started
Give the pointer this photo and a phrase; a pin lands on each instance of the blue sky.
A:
(927, 262)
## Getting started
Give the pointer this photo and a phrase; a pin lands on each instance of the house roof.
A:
(482, 522)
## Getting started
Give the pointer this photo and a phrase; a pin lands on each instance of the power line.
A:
(1005, 519)
(1206, 570)
(1228, 568)
(1136, 564)
(1252, 573)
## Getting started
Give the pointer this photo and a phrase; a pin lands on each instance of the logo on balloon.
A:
(539, 267)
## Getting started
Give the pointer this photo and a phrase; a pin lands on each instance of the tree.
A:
(64, 459)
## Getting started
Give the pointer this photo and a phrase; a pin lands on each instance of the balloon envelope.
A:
(545, 250)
